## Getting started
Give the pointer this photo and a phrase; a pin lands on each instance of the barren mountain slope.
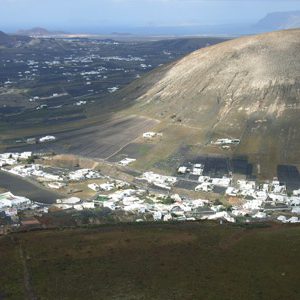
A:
(248, 88)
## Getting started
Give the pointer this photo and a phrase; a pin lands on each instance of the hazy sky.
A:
(86, 14)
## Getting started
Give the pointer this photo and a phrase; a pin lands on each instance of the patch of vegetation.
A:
(31, 159)
(184, 261)
(167, 200)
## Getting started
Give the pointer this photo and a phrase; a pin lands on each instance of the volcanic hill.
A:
(12, 40)
(247, 88)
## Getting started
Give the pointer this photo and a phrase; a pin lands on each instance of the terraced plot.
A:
(100, 141)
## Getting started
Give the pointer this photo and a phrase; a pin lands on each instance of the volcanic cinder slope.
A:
(248, 88)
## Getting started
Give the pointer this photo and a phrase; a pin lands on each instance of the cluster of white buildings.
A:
(44, 139)
(267, 201)
(11, 204)
(119, 58)
(150, 135)
(207, 184)
(126, 161)
(108, 186)
(10, 159)
(142, 204)
(291, 220)
(113, 89)
(227, 141)
(56, 179)
(47, 138)
(196, 169)
(73, 203)
(79, 103)
(262, 200)
(33, 170)
(162, 181)
(257, 202)
(83, 174)
(56, 185)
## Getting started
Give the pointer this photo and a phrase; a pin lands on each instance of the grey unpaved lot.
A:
(21, 187)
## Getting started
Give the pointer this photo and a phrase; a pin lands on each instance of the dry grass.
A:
(183, 261)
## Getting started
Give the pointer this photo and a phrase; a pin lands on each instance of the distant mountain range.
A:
(279, 20)
(4, 38)
(39, 31)
(271, 22)
(12, 40)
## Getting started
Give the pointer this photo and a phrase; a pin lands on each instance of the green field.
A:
(153, 261)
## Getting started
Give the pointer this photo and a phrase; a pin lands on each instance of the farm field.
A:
(97, 141)
(174, 261)
(51, 82)
(68, 88)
